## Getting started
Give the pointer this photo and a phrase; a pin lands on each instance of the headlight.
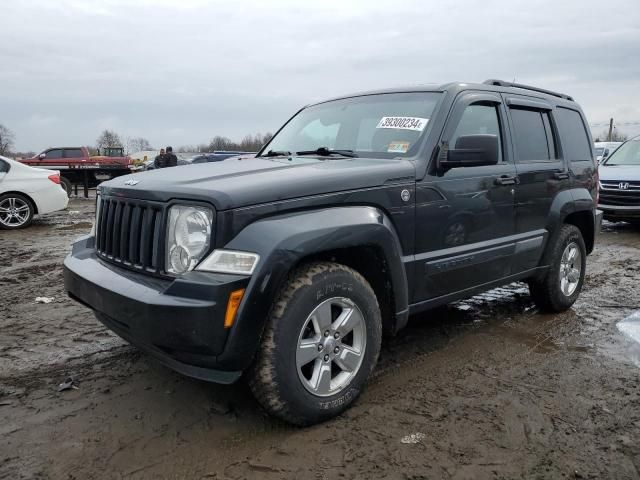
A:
(189, 237)
(230, 261)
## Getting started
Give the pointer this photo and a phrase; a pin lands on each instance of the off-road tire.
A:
(274, 378)
(28, 202)
(546, 291)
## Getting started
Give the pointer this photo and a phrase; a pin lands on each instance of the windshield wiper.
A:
(325, 152)
(276, 153)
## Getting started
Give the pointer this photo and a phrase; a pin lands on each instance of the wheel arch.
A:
(27, 196)
(583, 220)
(349, 235)
(576, 207)
(360, 259)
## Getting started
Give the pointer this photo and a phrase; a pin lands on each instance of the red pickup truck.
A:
(77, 163)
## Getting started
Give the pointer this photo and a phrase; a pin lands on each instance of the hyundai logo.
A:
(132, 182)
(623, 185)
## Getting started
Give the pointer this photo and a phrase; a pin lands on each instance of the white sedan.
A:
(26, 191)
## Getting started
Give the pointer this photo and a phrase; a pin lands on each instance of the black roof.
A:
(453, 87)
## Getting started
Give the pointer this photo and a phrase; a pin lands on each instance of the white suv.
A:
(620, 183)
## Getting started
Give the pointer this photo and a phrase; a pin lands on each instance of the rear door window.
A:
(4, 166)
(530, 130)
(73, 153)
(573, 135)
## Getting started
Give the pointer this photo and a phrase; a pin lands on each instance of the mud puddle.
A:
(630, 328)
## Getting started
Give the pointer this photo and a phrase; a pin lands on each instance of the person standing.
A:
(158, 162)
(170, 160)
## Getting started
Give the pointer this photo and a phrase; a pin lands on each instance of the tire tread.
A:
(545, 291)
(262, 377)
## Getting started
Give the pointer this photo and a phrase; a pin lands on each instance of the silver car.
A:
(620, 183)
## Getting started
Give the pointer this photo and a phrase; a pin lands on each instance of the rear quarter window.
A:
(573, 135)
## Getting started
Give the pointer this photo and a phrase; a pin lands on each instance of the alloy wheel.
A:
(570, 269)
(331, 346)
(14, 212)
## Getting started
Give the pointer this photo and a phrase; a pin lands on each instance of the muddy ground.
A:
(489, 388)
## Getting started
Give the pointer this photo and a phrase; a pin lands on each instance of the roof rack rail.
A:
(502, 83)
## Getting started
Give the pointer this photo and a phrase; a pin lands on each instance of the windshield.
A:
(599, 151)
(627, 154)
(378, 126)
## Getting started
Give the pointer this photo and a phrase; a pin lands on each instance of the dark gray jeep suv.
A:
(361, 211)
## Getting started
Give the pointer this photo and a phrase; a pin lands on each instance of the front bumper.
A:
(620, 212)
(179, 321)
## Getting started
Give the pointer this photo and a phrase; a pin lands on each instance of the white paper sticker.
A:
(403, 123)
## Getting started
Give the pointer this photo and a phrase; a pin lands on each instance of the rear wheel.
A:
(562, 283)
(321, 342)
(66, 185)
(16, 211)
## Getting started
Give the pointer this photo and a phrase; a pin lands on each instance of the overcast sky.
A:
(178, 72)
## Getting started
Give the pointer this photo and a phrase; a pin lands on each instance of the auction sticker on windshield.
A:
(403, 123)
(398, 147)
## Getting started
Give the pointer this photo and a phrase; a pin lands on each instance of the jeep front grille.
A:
(620, 193)
(130, 233)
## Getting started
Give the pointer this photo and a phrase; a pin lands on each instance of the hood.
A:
(241, 181)
(619, 172)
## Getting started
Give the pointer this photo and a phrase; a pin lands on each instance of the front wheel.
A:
(562, 283)
(321, 342)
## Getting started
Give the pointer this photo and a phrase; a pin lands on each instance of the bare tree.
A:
(266, 138)
(220, 143)
(138, 144)
(249, 143)
(616, 136)
(6, 140)
(186, 149)
(27, 154)
(108, 138)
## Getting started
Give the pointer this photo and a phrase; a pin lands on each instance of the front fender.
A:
(283, 241)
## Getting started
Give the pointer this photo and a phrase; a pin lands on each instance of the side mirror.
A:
(42, 156)
(472, 151)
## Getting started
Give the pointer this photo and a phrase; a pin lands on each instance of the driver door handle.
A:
(561, 175)
(506, 180)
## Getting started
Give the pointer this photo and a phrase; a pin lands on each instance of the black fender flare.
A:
(564, 204)
(283, 241)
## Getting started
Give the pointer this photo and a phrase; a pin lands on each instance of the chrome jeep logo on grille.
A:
(623, 185)
(132, 182)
